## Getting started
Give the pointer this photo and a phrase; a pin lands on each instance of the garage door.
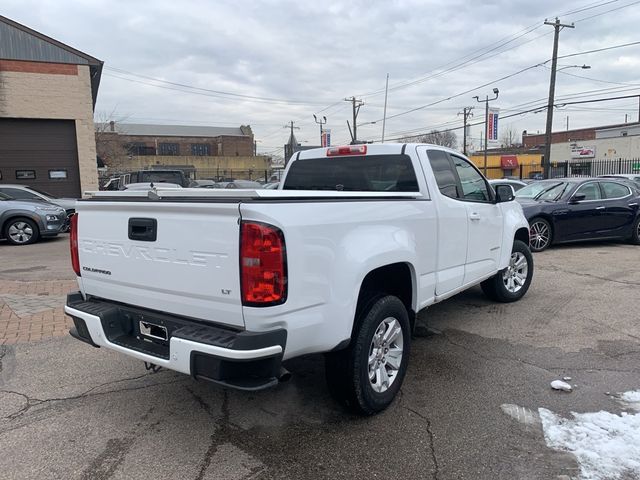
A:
(41, 154)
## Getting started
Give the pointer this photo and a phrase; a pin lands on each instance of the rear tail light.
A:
(263, 265)
(348, 150)
(73, 241)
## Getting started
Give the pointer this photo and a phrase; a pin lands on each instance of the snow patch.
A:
(560, 385)
(631, 399)
(521, 414)
(606, 445)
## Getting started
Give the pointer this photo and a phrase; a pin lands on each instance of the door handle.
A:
(475, 216)
(600, 208)
(634, 204)
(143, 229)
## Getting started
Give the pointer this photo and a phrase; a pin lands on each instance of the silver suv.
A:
(24, 192)
(25, 221)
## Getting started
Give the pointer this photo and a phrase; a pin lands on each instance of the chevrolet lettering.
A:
(152, 254)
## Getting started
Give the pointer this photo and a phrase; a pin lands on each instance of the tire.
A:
(635, 232)
(540, 234)
(511, 284)
(351, 381)
(21, 231)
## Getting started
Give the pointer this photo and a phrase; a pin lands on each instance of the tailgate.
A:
(189, 266)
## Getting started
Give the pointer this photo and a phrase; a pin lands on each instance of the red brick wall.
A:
(530, 141)
(38, 67)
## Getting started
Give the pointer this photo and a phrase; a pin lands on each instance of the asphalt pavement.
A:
(70, 411)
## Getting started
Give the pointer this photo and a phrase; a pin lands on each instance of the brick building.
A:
(47, 94)
(131, 146)
(532, 140)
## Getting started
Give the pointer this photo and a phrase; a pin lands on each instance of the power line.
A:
(515, 114)
(219, 93)
(496, 45)
(506, 77)
(600, 49)
(606, 11)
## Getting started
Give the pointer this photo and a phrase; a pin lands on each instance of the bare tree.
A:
(446, 138)
(510, 137)
(109, 144)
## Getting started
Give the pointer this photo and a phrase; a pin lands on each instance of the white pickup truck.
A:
(226, 284)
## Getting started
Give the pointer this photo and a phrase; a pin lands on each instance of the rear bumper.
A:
(238, 359)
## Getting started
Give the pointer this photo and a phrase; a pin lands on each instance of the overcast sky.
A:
(301, 58)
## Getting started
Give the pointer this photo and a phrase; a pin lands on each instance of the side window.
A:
(474, 186)
(443, 171)
(590, 191)
(18, 193)
(614, 190)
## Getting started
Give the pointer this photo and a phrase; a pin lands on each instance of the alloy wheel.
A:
(20, 232)
(385, 354)
(539, 235)
(515, 275)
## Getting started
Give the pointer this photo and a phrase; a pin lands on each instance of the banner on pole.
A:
(492, 136)
(326, 137)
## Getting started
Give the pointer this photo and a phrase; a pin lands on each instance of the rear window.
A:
(159, 177)
(372, 173)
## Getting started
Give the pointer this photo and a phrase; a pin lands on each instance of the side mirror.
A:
(577, 198)
(504, 193)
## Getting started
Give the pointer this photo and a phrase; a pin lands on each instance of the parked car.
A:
(514, 184)
(576, 209)
(338, 262)
(150, 185)
(24, 221)
(246, 184)
(203, 183)
(271, 186)
(159, 176)
(23, 192)
(634, 177)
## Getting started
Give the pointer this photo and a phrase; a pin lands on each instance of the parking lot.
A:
(479, 372)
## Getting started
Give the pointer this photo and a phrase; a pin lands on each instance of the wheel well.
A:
(522, 234)
(394, 279)
(13, 217)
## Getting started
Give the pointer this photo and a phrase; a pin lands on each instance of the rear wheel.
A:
(21, 231)
(540, 234)
(366, 376)
(511, 283)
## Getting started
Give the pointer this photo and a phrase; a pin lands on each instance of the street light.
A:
(548, 130)
(320, 122)
(486, 123)
(583, 67)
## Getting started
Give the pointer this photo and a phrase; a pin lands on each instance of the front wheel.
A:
(511, 283)
(21, 231)
(366, 376)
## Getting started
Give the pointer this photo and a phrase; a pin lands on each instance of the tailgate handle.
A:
(143, 229)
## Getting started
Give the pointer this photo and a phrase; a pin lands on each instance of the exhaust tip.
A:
(284, 375)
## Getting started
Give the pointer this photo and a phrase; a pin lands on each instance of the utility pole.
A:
(355, 105)
(384, 116)
(466, 113)
(486, 101)
(552, 89)
(321, 122)
(288, 154)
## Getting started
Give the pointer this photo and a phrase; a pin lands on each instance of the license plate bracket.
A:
(153, 330)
